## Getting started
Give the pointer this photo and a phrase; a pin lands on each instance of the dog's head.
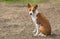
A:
(32, 9)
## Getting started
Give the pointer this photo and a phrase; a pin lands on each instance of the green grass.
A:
(24, 1)
(9, 1)
(28, 1)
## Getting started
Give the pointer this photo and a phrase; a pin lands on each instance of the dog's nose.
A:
(30, 13)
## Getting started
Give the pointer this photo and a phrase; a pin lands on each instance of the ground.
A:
(15, 22)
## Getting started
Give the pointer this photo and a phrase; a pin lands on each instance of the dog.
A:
(42, 25)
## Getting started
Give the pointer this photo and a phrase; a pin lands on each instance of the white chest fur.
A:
(34, 18)
(37, 26)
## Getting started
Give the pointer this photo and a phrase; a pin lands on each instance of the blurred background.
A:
(16, 23)
(28, 1)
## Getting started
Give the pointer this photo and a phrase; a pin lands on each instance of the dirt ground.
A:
(15, 22)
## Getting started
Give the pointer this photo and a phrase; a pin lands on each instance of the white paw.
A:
(35, 34)
(34, 31)
(41, 35)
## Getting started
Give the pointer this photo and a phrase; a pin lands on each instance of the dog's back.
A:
(45, 27)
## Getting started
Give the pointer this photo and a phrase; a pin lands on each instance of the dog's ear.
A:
(36, 6)
(29, 5)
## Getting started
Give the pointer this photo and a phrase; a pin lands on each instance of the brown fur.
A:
(31, 8)
(45, 27)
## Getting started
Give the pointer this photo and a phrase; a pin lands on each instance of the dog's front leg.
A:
(37, 30)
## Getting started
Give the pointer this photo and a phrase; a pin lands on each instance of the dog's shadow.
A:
(54, 35)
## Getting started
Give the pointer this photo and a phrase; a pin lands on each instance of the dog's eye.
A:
(33, 10)
(29, 9)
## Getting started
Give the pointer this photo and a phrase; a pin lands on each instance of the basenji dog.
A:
(42, 25)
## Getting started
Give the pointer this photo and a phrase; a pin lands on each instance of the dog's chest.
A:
(34, 18)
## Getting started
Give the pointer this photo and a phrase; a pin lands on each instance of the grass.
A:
(28, 1)
(24, 1)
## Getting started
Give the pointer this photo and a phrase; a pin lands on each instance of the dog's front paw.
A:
(35, 34)
(34, 31)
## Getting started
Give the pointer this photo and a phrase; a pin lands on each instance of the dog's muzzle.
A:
(30, 13)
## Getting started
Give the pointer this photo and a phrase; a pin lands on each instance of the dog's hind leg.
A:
(41, 34)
